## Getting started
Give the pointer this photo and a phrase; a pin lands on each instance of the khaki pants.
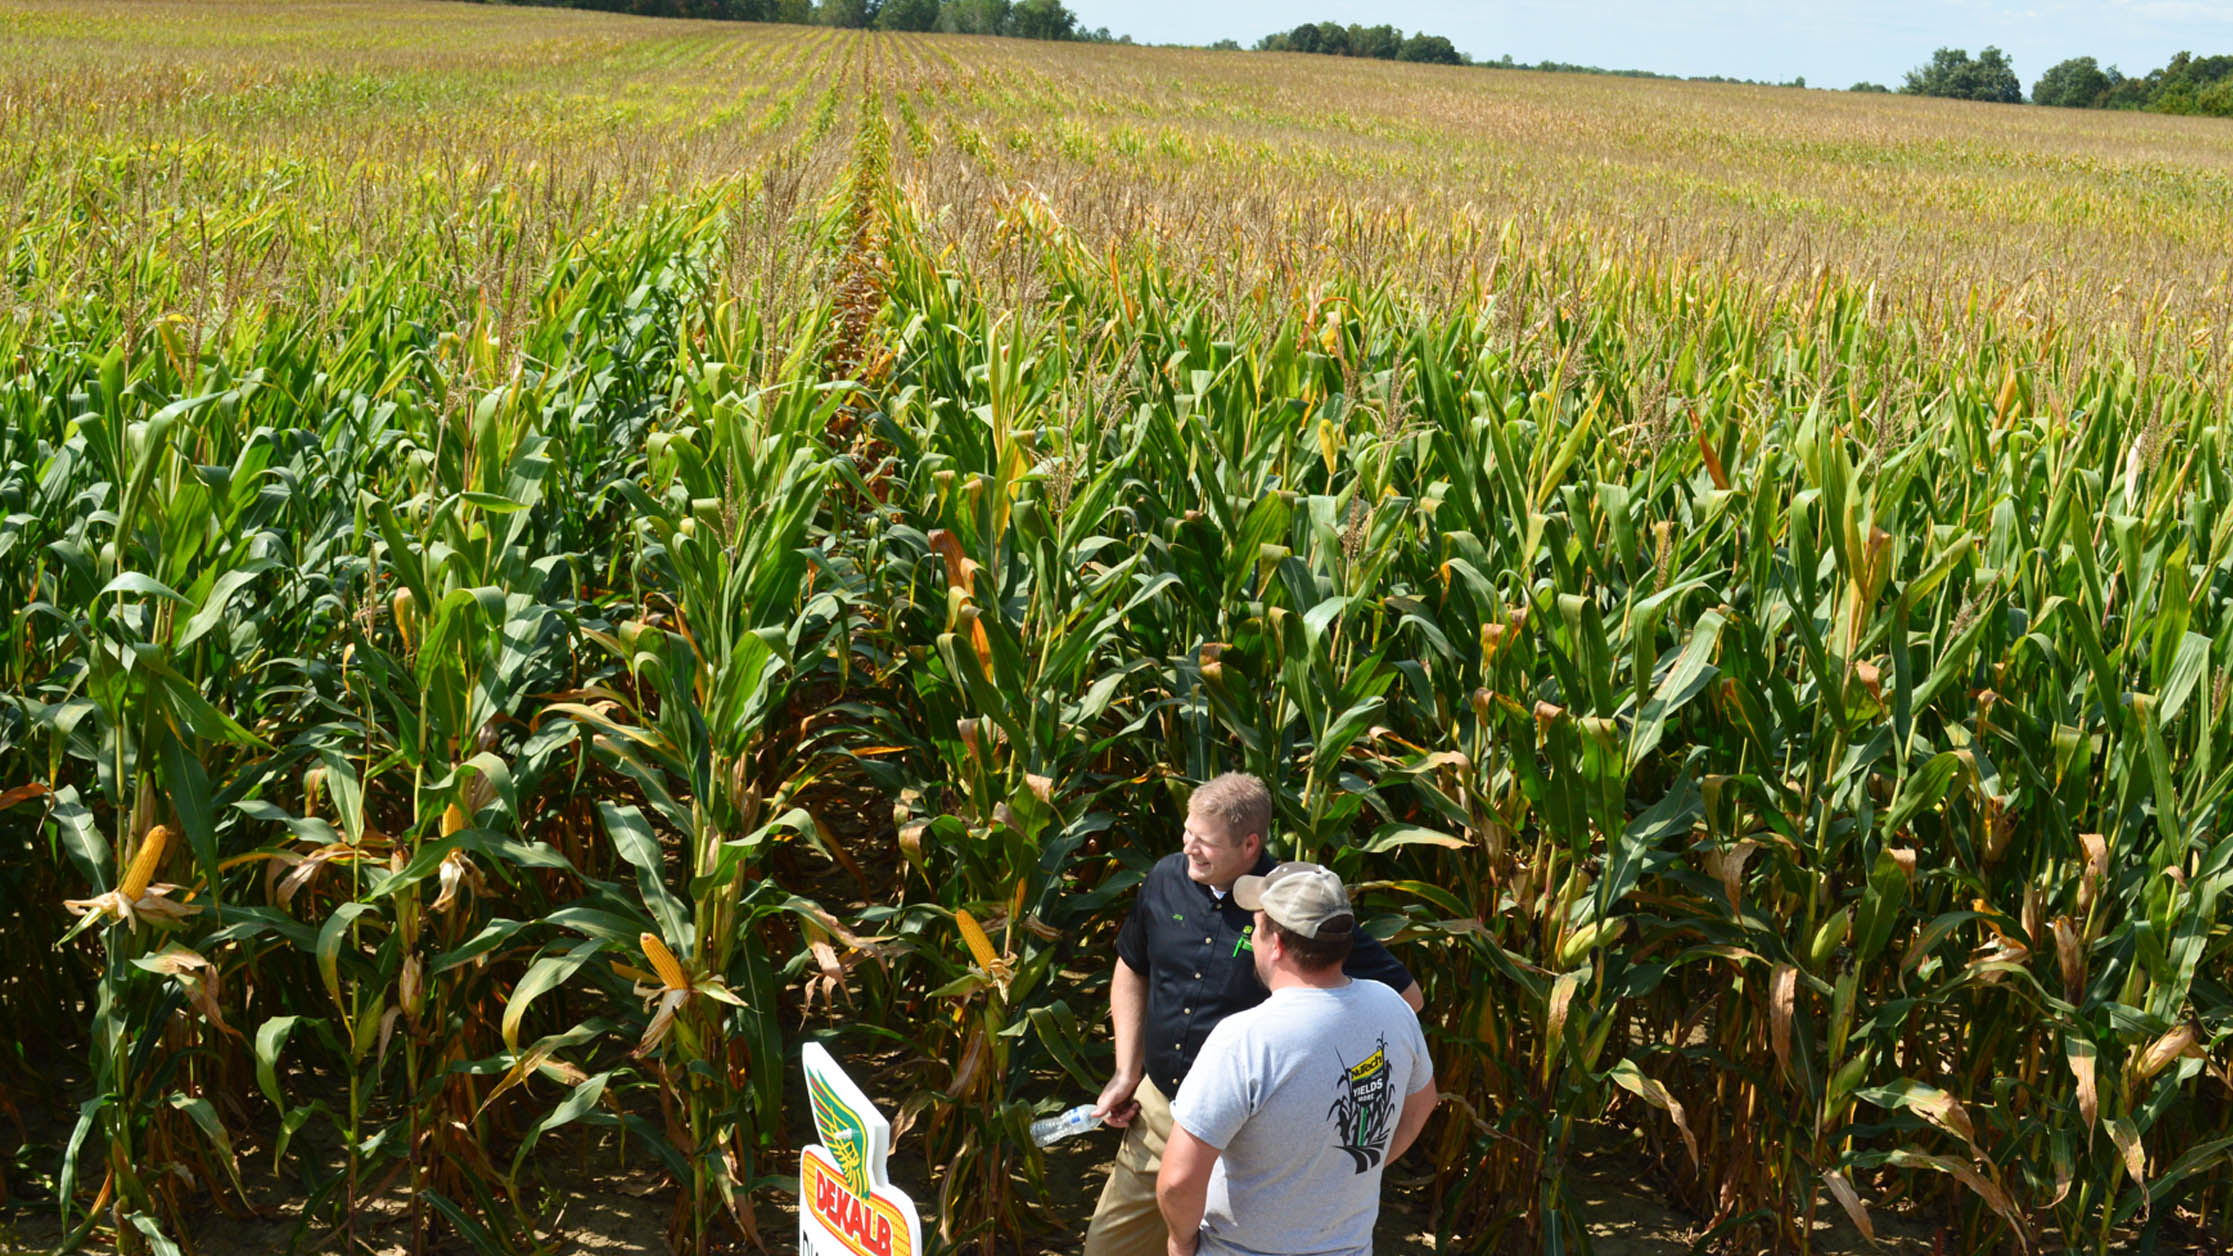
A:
(1127, 1222)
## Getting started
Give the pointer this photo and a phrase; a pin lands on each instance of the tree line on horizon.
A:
(1021, 19)
(2186, 85)
(1390, 43)
(1382, 42)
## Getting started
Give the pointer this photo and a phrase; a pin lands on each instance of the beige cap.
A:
(1303, 897)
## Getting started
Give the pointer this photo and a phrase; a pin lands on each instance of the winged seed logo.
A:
(842, 1132)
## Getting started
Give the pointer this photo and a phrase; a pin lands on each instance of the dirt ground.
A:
(597, 1213)
(627, 1216)
(602, 1213)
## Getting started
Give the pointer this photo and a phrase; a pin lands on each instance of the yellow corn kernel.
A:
(142, 870)
(974, 934)
(663, 962)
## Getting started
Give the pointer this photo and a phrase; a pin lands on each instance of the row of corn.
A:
(446, 748)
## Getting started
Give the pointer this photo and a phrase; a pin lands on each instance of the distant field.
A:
(547, 558)
(390, 120)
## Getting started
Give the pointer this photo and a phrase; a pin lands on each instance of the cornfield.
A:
(550, 558)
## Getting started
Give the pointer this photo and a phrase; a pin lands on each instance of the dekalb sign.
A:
(846, 1205)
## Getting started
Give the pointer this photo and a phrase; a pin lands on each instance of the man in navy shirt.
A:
(1184, 963)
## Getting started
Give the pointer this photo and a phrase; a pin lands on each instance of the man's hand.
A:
(1128, 1014)
(1183, 1245)
(1117, 1108)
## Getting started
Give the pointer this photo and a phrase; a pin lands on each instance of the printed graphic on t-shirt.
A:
(1364, 1107)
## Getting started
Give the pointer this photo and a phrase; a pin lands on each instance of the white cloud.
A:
(2176, 10)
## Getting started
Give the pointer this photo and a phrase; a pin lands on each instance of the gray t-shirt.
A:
(1301, 1093)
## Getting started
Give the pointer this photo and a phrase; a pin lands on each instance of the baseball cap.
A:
(1303, 897)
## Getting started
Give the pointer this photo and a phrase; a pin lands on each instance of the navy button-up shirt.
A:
(1193, 947)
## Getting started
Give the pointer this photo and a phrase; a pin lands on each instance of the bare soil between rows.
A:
(594, 1208)
(626, 1215)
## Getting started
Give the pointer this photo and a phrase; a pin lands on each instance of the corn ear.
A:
(2169, 1047)
(663, 962)
(142, 871)
(973, 933)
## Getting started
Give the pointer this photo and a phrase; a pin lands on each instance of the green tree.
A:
(1381, 43)
(2188, 84)
(2078, 83)
(2126, 93)
(2216, 99)
(908, 15)
(1432, 49)
(1992, 77)
(1953, 73)
(1043, 19)
(850, 13)
(1303, 38)
(974, 17)
(1866, 86)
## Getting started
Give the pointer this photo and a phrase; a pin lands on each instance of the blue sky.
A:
(1833, 44)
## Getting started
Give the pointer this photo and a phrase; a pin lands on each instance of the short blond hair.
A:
(1239, 800)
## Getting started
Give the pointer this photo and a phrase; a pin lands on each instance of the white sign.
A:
(847, 1207)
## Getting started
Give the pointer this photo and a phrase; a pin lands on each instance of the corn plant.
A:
(697, 724)
(481, 582)
(1002, 703)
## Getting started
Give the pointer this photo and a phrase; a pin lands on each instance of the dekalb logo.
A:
(864, 1224)
(847, 1206)
(844, 1135)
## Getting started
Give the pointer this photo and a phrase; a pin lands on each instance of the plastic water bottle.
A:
(1050, 1130)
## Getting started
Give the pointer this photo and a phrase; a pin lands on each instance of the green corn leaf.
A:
(330, 937)
(547, 973)
(271, 1039)
(633, 840)
(580, 1101)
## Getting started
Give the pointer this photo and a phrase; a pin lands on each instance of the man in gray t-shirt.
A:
(1294, 1107)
